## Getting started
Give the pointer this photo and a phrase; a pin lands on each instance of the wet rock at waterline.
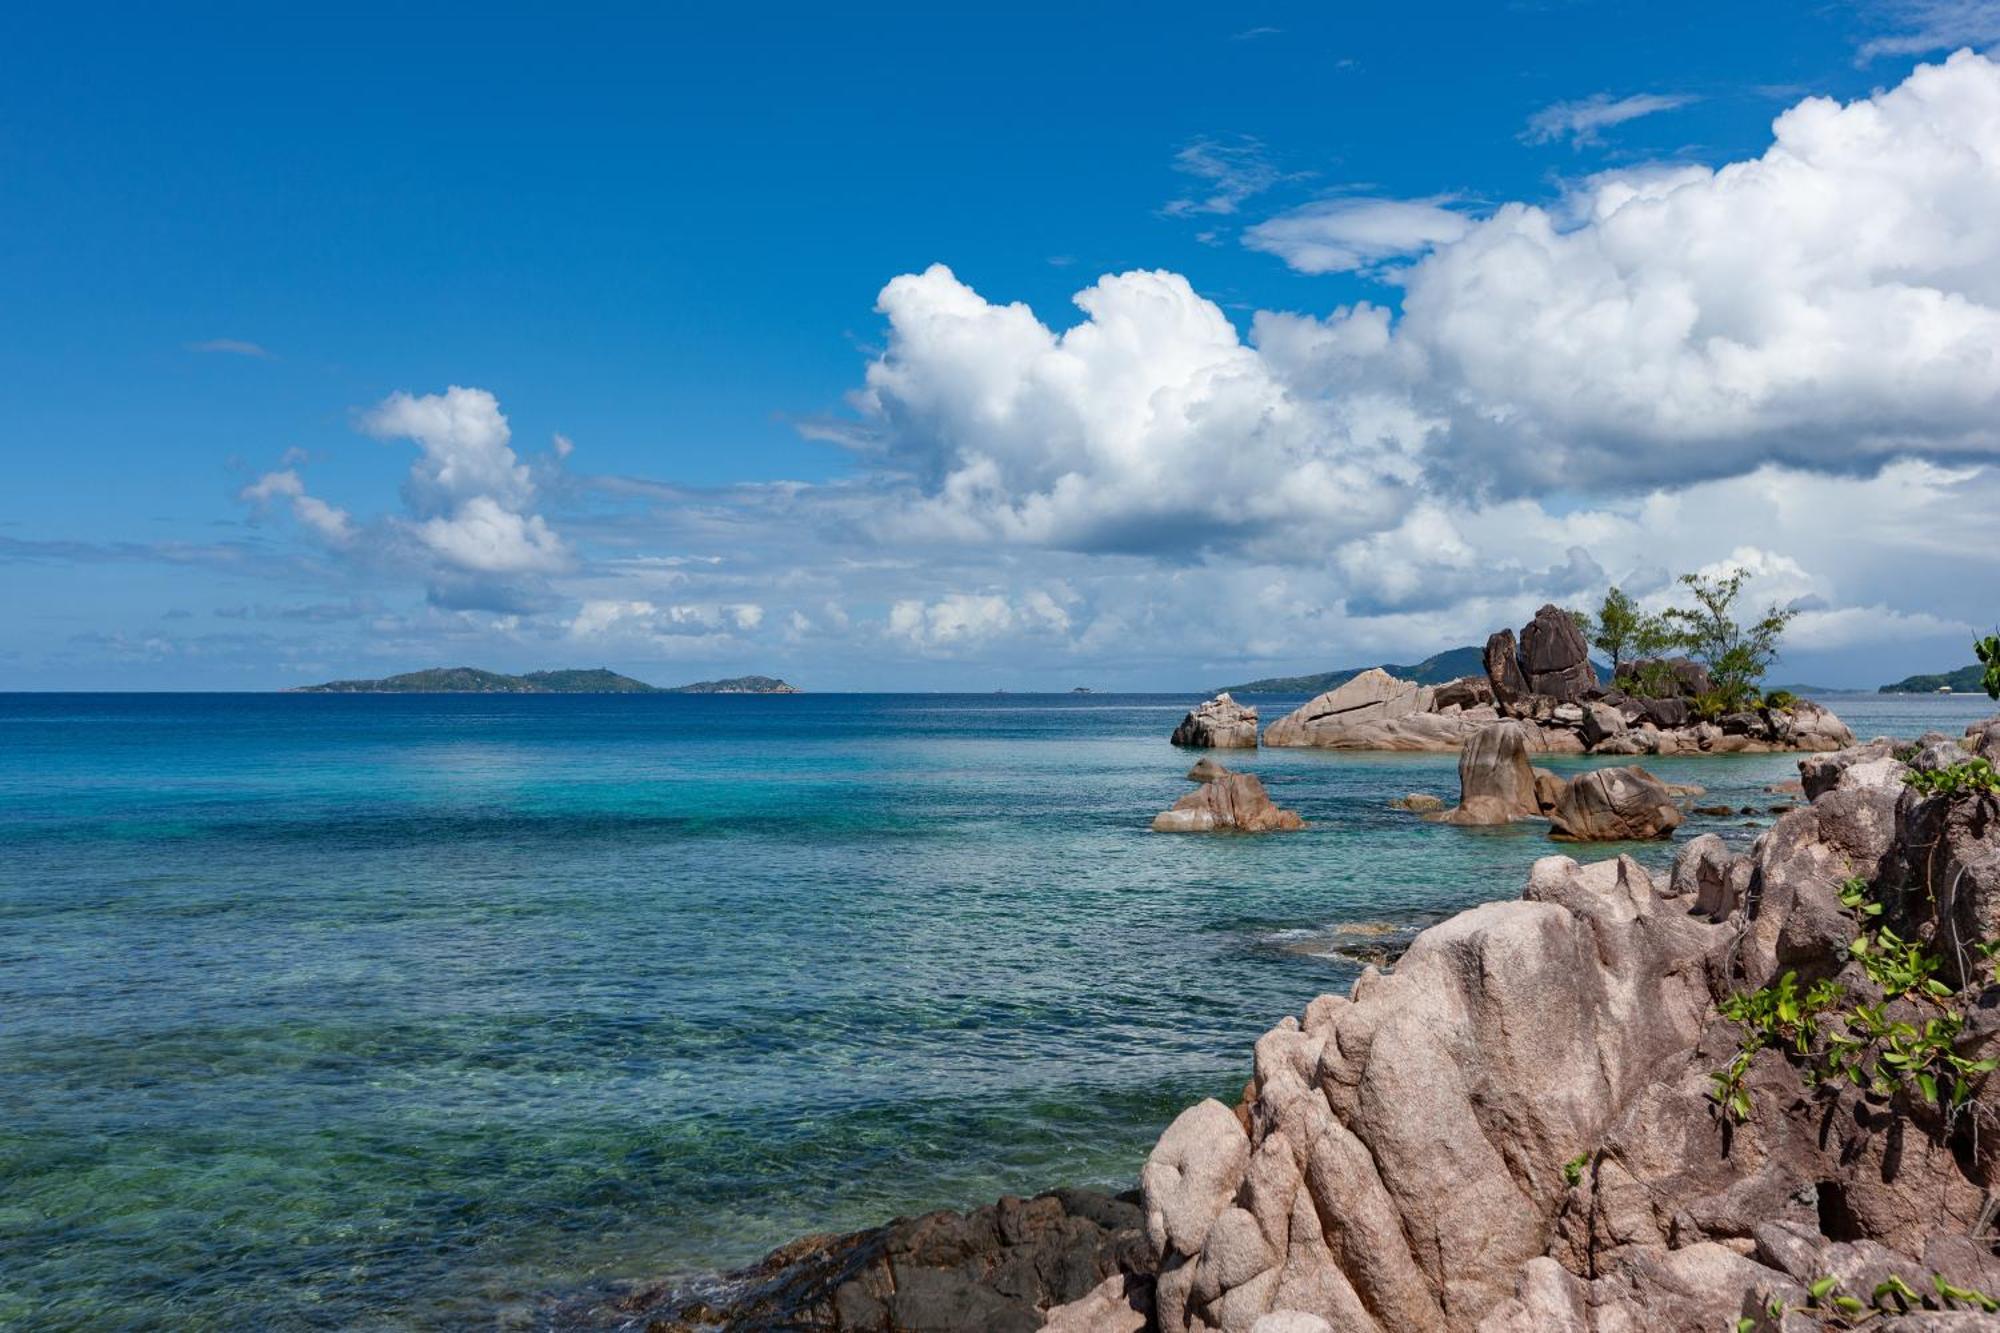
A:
(1496, 782)
(1625, 804)
(1233, 802)
(998, 1268)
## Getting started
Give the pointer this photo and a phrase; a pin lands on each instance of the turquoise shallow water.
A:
(417, 1012)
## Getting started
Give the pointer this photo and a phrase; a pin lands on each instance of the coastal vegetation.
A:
(1733, 654)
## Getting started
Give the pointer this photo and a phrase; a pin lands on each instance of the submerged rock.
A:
(1221, 723)
(1234, 801)
(1417, 802)
(1000, 1267)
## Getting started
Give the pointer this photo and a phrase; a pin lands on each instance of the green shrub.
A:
(1974, 777)
(1784, 701)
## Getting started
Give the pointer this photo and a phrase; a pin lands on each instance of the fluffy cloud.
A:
(609, 617)
(1342, 235)
(1150, 427)
(1584, 120)
(1801, 350)
(468, 490)
(1831, 304)
(965, 619)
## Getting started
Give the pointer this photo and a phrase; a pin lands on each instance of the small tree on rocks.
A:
(1736, 655)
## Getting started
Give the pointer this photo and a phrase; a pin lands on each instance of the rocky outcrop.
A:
(1625, 804)
(1001, 1267)
(1225, 802)
(1518, 1128)
(1503, 668)
(1496, 783)
(1221, 724)
(1554, 658)
(1368, 700)
(1550, 684)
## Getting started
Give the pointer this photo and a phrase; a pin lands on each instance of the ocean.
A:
(399, 1012)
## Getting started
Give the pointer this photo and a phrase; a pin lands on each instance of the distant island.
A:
(592, 680)
(1965, 680)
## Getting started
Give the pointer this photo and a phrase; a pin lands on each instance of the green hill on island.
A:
(590, 680)
(1434, 670)
(1965, 680)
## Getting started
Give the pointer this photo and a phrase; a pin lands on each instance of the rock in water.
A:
(1496, 783)
(1503, 668)
(1371, 697)
(1206, 770)
(1234, 801)
(1614, 805)
(1221, 724)
(1554, 657)
(1000, 1268)
(1417, 802)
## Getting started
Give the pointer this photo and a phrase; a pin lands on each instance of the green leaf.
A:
(1821, 1288)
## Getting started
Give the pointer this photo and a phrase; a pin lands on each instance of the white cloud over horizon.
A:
(1788, 363)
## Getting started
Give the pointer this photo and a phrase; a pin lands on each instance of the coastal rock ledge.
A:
(1518, 1127)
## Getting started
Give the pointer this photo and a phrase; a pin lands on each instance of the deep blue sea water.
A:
(395, 1012)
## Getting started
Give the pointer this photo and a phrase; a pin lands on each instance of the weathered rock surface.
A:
(1417, 802)
(1513, 1130)
(1001, 1267)
(1503, 668)
(1496, 782)
(1372, 697)
(1231, 802)
(1221, 723)
(1206, 770)
(1625, 804)
(1554, 657)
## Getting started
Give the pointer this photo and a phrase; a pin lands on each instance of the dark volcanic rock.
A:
(995, 1268)
(1554, 657)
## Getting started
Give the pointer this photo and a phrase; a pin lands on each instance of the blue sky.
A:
(229, 237)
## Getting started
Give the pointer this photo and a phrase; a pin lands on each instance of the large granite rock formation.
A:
(1369, 699)
(1554, 658)
(1614, 805)
(1503, 668)
(1225, 802)
(1221, 723)
(996, 1268)
(1518, 1127)
(1496, 783)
